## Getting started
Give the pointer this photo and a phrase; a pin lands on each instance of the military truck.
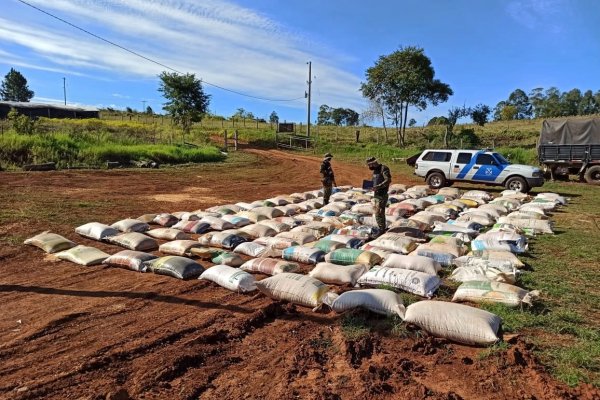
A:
(571, 147)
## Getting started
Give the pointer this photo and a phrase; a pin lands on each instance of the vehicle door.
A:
(459, 169)
(437, 159)
(486, 168)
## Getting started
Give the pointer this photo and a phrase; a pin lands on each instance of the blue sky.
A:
(484, 49)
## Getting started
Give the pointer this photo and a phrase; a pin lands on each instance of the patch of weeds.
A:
(355, 325)
(320, 343)
(493, 350)
(409, 298)
(579, 362)
(385, 286)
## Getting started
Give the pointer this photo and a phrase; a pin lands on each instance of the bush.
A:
(22, 124)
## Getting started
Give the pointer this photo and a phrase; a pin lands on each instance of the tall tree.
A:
(324, 115)
(351, 117)
(569, 102)
(274, 118)
(588, 104)
(480, 114)
(498, 110)
(454, 114)
(14, 87)
(186, 101)
(537, 98)
(403, 79)
(520, 101)
(552, 106)
(375, 111)
(149, 110)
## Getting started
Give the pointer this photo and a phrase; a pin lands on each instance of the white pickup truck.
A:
(442, 167)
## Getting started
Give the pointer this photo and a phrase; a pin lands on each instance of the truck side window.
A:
(440, 156)
(486, 159)
(463, 158)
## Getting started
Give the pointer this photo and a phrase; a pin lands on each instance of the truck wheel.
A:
(517, 183)
(436, 180)
(592, 175)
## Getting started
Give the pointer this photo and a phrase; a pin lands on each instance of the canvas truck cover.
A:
(570, 131)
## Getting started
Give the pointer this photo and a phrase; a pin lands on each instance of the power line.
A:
(148, 58)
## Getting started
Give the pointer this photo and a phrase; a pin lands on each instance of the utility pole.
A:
(65, 89)
(308, 96)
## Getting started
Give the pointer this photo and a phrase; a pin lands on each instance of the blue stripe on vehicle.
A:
(470, 165)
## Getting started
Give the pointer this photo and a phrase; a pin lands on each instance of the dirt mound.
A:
(99, 333)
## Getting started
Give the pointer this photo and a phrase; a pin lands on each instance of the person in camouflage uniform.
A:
(327, 177)
(382, 178)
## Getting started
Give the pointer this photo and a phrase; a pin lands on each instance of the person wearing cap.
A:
(327, 177)
(382, 178)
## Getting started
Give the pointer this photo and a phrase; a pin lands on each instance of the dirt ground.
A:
(72, 332)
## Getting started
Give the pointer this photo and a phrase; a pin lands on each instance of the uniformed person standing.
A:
(382, 178)
(327, 177)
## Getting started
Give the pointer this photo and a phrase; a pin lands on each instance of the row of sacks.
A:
(353, 241)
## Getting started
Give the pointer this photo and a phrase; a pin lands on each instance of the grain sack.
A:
(227, 258)
(179, 247)
(358, 231)
(96, 231)
(532, 208)
(416, 282)
(327, 213)
(176, 267)
(298, 237)
(277, 226)
(454, 228)
(217, 224)
(494, 292)
(382, 253)
(514, 193)
(129, 259)
(420, 203)
(50, 242)
(413, 263)
(524, 214)
(165, 219)
(230, 278)
(470, 203)
(478, 194)
(487, 212)
(168, 234)
(451, 240)
(252, 216)
(236, 220)
(317, 229)
(83, 255)
(427, 218)
(497, 255)
(251, 249)
(350, 242)
(443, 258)
(450, 192)
(456, 322)
(238, 232)
(445, 210)
(338, 274)
(407, 223)
(130, 225)
(363, 208)
(328, 245)
(499, 208)
(557, 198)
(146, 218)
(484, 273)
(472, 261)
(456, 251)
(507, 228)
(276, 243)
(414, 233)
(278, 201)
(510, 204)
(269, 212)
(269, 266)
(134, 241)
(458, 204)
(479, 218)
(290, 221)
(352, 256)
(186, 216)
(333, 222)
(395, 242)
(294, 288)
(398, 188)
(201, 214)
(502, 241)
(302, 254)
(379, 301)
(244, 206)
(192, 226)
(288, 210)
(222, 239)
(350, 218)
(258, 230)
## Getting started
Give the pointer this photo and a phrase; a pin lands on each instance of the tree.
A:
(274, 118)
(520, 101)
(480, 114)
(403, 79)
(412, 122)
(569, 102)
(14, 87)
(129, 110)
(537, 100)
(351, 117)
(508, 113)
(324, 115)
(588, 104)
(438, 121)
(372, 112)
(186, 101)
(454, 114)
(149, 110)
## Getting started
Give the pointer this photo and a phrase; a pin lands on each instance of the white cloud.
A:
(538, 14)
(223, 43)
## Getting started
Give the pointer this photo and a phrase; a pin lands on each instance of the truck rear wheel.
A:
(436, 180)
(592, 175)
(517, 183)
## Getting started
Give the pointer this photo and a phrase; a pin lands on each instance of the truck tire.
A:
(517, 183)
(592, 175)
(436, 180)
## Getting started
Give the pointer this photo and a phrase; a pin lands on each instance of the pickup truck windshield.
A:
(501, 159)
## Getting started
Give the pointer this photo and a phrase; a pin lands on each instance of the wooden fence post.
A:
(235, 140)
(225, 137)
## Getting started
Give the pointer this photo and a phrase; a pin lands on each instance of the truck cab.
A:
(443, 167)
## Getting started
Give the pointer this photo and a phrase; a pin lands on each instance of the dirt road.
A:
(71, 332)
